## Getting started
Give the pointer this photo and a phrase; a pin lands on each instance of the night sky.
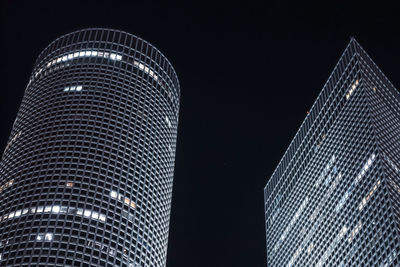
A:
(248, 73)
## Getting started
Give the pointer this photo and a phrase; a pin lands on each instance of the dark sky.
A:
(248, 73)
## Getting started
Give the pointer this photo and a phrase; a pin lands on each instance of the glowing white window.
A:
(77, 88)
(48, 237)
(87, 213)
(113, 194)
(351, 90)
(47, 209)
(95, 215)
(56, 209)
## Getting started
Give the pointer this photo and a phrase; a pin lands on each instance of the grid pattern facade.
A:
(334, 199)
(86, 177)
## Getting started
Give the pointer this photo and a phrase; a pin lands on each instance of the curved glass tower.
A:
(86, 177)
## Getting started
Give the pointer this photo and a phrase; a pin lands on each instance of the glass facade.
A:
(334, 199)
(86, 177)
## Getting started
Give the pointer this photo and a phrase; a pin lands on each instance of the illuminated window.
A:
(45, 237)
(352, 88)
(147, 70)
(69, 184)
(353, 233)
(125, 200)
(6, 185)
(364, 169)
(113, 194)
(368, 196)
(73, 88)
(291, 223)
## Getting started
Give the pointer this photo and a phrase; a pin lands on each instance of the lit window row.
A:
(84, 53)
(390, 259)
(391, 163)
(73, 88)
(352, 88)
(6, 185)
(45, 237)
(146, 69)
(78, 54)
(325, 170)
(364, 170)
(355, 231)
(101, 247)
(125, 200)
(290, 225)
(368, 196)
(332, 246)
(395, 186)
(13, 140)
(56, 210)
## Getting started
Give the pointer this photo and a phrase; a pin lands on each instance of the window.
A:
(368, 196)
(77, 88)
(352, 88)
(125, 200)
(6, 185)
(168, 122)
(45, 237)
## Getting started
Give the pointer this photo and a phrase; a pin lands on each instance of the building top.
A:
(307, 137)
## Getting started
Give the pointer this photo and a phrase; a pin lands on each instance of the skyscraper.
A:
(86, 177)
(334, 199)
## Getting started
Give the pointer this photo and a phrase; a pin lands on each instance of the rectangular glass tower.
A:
(334, 199)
